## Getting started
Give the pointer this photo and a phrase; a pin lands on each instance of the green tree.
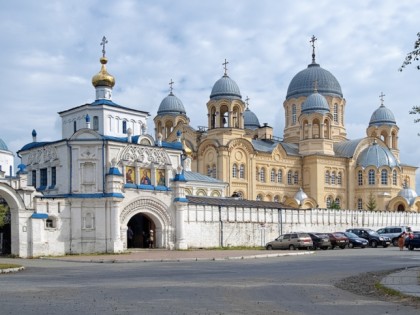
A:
(412, 55)
(334, 205)
(4, 211)
(371, 204)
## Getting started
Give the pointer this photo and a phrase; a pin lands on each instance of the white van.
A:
(393, 232)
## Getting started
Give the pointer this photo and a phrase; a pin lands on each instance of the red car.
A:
(338, 239)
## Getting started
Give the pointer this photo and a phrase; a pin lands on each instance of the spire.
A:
(103, 81)
(313, 39)
(171, 83)
(247, 102)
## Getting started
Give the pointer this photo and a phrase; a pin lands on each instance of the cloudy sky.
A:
(50, 51)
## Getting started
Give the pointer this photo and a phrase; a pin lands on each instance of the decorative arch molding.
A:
(43, 155)
(240, 144)
(205, 145)
(146, 155)
(13, 199)
(153, 207)
(394, 204)
(146, 140)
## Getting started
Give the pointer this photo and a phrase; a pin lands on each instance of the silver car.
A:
(394, 232)
(291, 241)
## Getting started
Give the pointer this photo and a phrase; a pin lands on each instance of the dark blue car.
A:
(356, 241)
(412, 241)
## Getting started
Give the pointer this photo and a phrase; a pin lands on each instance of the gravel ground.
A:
(364, 284)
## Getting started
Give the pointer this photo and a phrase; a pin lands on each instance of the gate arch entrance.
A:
(145, 215)
(141, 227)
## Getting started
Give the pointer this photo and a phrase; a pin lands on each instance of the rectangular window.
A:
(43, 177)
(53, 176)
(95, 123)
(33, 182)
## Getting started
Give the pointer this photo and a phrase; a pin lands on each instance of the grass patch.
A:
(388, 291)
(8, 266)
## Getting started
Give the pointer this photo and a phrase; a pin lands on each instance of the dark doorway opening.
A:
(140, 225)
(400, 208)
(5, 230)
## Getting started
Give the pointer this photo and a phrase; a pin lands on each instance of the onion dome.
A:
(103, 78)
(315, 103)
(376, 155)
(171, 105)
(300, 196)
(250, 120)
(303, 82)
(225, 88)
(3, 145)
(382, 116)
(408, 194)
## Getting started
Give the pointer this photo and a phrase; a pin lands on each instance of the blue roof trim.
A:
(38, 144)
(104, 102)
(179, 178)
(161, 188)
(114, 171)
(172, 145)
(39, 216)
(146, 187)
(180, 199)
(130, 186)
(41, 188)
(85, 196)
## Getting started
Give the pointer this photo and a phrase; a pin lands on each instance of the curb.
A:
(113, 261)
(11, 270)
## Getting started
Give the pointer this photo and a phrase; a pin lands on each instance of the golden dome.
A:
(103, 78)
(187, 150)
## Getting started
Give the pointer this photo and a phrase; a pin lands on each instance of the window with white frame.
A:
(371, 177)
(242, 171)
(339, 178)
(293, 114)
(360, 204)
(262, 175)
(289, 177)
(296, 178)
(329, 201)
(333, 178)
(273, 175)
(360, 178)
(259, 197)
(384, 177)
(234, 170)
(394, 177)
(327, 177)
(280, 176)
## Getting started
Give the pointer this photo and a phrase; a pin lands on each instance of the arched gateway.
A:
(151, 214)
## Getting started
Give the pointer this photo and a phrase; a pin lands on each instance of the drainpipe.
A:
(221, 226)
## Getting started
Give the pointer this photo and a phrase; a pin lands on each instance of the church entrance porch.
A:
(142, 228)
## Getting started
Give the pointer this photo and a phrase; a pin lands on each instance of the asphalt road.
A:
(301, 284)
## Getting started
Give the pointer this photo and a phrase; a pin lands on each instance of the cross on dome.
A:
(247, 101)
(225, 66)
(313, 39)
(103, 43)
(171, 83)
(381, 97)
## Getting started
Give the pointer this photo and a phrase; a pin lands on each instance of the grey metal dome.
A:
(408, 194)
(382, 116)
(302, 83)
(225, 88)
(376, 155)
(251, 120)
(315, 103)
(3, 145)
(171, 105)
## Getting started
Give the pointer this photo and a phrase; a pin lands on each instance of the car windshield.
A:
(321, 235)
(338, 234)
(373, 233)
(350, 234)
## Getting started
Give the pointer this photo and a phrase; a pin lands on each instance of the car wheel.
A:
(351, 245)
(332, 246)
(395, 242)
(363, 246)
(324, 247)
(343, 246)
(269, 247)
(312, 248)
(292, 247)
(411, 247)
(374, 244)
(385, 246)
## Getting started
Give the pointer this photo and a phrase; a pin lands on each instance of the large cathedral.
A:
(313, 165)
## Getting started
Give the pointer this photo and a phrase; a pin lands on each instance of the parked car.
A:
(356, 241)
(320, 240)
(393, 232)
(338, 239)
(372, 237)
(291, 241)
(412, 241)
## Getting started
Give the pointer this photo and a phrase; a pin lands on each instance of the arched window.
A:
(280, 176)
(329, 201)
(371, 177)
(276, 198)
(339, 178)
(74, 126)
(384, 177)
(338, 202)
(124, 126)
(359, 204)
(257, 174)
(95, 123)
(333, 178)
(273, 176)
(335, 113)
(214, 171)
(296, 178)
(209, 171)
(327, 177)
(293, 114)
(234, 170)
(262, 175)
(289, 178)
(242, 171)
(360, 178)
(394, 177)
(259, 197)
